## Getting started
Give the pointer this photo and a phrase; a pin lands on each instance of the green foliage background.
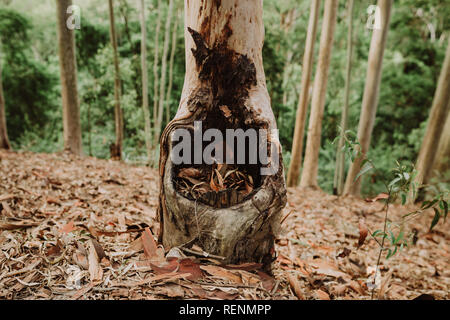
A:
(412, 62)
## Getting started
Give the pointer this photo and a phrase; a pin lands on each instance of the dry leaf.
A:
(378, 197)
(322, 295)
(362, 232)
(327, 268)
(222, 273)
(67, 228)
(149, 243)
(95, 270)
(295, 285)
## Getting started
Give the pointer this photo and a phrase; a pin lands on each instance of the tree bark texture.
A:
(68, 72)
(116, 149)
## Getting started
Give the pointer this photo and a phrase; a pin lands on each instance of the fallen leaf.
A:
(322, 295)
(362, 232)
(327, 268)
(95, 270)
(7, 196)
(222, 273)
(378, 197)
(345, 253)
(149, 243)
(67, 228)
(295, 285)
(174, 265)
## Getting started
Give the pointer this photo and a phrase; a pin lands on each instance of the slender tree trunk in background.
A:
(371, 95)
(162, 85)
(171, 61)
(144, 70)
(4, 141)
(155, 72)
(436, 121)
(116, 150)
(311, 164)
(302, 108)
(68, 71)
(340, 155)
(442, 162)
(224, 88)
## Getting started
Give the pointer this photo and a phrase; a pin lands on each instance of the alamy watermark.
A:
(74, 20)
(239, 147)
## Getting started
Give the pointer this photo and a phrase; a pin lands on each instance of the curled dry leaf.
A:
(378, 197)
(363, 231)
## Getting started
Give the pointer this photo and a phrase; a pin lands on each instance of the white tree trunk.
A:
(162, 85)
(311, 164)
(224, 66)
(68, 71)
(4, 141)
(371, 94)
(171, 62)
(144, 70)
(302, 108)
(116, 149)
(442, 163)
(155, 74)
(436, 121)
(340, 158)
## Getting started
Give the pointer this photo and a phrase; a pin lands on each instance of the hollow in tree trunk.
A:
(224, 89)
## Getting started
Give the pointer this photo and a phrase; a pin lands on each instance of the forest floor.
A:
(74, 228)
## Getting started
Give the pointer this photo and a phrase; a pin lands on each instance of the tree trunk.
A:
(4, 141)
(116, 149)
(171, 61)
(308, 58)
(147, 126)
(311, 165)
(68, 71)
(224, 88)
(155, 73)
(340, 154)
(442, 162)
(436, 121)
(162, 85)
(371, 95)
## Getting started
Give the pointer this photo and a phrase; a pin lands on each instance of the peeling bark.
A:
(223, 67)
